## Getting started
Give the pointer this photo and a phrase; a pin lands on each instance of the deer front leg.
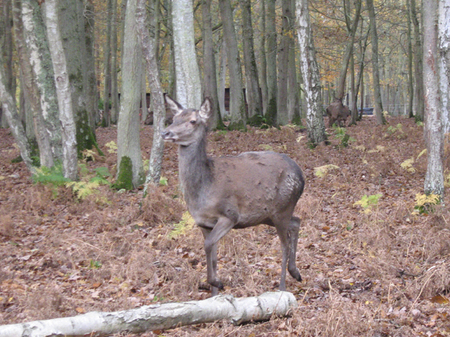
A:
(212, 237)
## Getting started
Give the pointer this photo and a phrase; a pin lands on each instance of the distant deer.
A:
(234, 192)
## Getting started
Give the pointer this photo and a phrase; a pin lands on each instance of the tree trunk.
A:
(114, 85)
(209, 66)
(7, 50)
(444, 62)
(434, 178)
(62, 90)
(34, 33)
(410, 107)
(283, 66)
(72, 24)
(237, 102)
(129, 160)
(107, 66)
(310, 74)
(262, 57)
(90, 78)
(13, 119)
(271, 57)
(253, 95)
(294, 105)
(149, 46)
(160, 316)
(418, 64)
(351, 30)
(375, 69)
(188, 85)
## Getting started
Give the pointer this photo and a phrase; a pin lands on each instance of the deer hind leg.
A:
(294, 228)
(212, 237)
(288, 234)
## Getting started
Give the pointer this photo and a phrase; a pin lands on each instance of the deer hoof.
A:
(296, 274)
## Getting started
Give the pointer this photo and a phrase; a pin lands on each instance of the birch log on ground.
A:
(160, 316)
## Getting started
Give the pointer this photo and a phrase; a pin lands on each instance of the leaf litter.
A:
(380, 273)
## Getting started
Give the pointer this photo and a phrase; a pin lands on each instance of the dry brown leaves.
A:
(382, 272)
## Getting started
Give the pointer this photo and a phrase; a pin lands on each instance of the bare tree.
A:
(418, 62)
(444, 62)
(310, 74)
(271, 58)
(434, 178)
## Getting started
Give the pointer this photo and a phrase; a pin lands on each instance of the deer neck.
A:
(195, 169)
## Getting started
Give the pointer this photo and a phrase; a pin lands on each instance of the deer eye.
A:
(193, 121)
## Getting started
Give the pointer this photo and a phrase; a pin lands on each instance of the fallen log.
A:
(159, 316)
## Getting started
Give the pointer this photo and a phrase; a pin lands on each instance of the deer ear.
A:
(173, 105)
(205, 110)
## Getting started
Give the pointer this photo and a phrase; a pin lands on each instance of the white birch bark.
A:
(160, 316)
(310, 75)
(188, 85)
(444, 61)
(63, 93)
(49, 132)
(434, 178)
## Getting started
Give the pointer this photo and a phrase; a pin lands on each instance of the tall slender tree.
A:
(375, 68)
(63, 90)
(188, 85)
(237, 103)
(433, 131)
(418, 63)
(130, 172)
(444, 62)
(147, 32)
(253, 94)
(271, 58)
(310, 74)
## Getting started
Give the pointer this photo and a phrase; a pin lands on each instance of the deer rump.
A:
(250, 189)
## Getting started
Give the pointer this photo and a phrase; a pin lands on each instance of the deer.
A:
(233, 192)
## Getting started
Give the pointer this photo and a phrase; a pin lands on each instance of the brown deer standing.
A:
(234, 192)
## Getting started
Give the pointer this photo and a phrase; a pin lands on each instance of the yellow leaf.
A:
(299, 138)
(322, 171)
(439, 299)
(80, 310)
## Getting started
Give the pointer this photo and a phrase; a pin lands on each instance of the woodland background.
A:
(373, 248)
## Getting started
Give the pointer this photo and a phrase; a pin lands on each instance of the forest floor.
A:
(372, 265)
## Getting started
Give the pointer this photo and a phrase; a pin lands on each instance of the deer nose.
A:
(166, 134)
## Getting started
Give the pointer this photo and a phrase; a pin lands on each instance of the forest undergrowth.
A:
(374, 254)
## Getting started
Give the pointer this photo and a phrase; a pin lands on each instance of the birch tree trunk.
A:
(237, 102)
(434, 178)
(310, 74)
(129, 160)
(35, 37)
(375, 69)
(253, 95)
(62, 90)
(7, 49)
(444, 62)
(114, 87)
(410, 108)
(146, 28)
(188, 85)
(160, 316)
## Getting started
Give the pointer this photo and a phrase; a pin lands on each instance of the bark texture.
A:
(310, 74)
(160, 316)
(63, 91)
